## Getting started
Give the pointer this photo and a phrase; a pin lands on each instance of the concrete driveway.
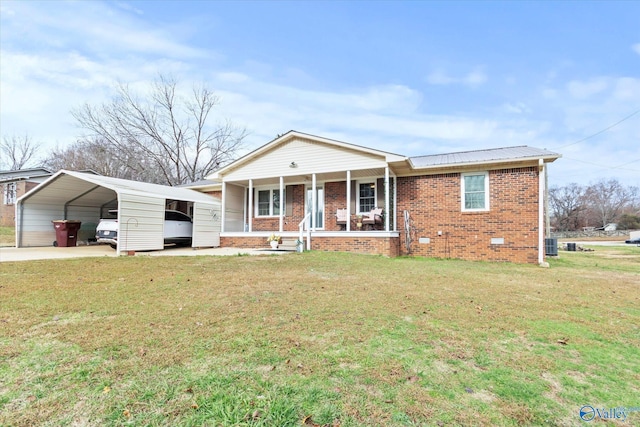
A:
(8, 254)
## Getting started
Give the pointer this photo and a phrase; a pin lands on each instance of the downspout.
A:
(541, 190)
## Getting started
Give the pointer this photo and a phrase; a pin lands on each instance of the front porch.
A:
(306, 208)
(365, 242)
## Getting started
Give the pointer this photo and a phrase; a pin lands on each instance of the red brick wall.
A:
(8, 212)
(244, 242)
(433, 202)
(387, 246)
(290, 221)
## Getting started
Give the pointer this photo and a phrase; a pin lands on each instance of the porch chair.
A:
(372, 218)
(341, 218)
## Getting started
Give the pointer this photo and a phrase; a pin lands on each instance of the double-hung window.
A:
(269, 203)
(366, 196)
(475, 191)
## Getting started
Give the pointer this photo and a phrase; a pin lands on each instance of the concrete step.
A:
(288, 245)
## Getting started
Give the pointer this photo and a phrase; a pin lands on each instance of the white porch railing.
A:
(301, 228)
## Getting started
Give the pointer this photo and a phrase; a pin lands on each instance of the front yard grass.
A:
(7, 236)
(318, 339)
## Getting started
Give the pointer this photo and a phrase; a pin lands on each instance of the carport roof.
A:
(76, 186)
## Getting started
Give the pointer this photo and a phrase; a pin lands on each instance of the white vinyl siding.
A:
(309, 157)
(206, 225)
(141, 223)
(234, 211)
(475, 191)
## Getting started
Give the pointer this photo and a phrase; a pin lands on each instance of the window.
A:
(9, 194)
(366, 196)
(269, 203)
(475, 191)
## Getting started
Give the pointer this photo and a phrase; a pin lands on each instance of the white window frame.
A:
(375, 193)
(271, 190)
(10, 193)
(486, 191)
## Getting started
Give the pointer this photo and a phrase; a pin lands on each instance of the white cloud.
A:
(636, 48)
(586, 89)
(516, 108)
(474, 78)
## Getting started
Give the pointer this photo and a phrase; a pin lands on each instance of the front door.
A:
(319, 217)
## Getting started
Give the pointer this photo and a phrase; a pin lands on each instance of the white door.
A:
(319, 217)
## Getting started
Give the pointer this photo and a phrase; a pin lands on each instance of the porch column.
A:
(224, 200)
(386, 198)
(395, 202)
(250, 213)
(281, 204)
(348, 228)
(314, 203)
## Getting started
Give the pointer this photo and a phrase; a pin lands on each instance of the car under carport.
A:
(70, 195)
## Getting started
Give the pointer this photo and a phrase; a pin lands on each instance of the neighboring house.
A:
(612, 226)
(476, 205)
(14, 184)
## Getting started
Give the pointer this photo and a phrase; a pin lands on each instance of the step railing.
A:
(301, 230)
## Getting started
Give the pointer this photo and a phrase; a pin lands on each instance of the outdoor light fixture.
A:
(293, 165)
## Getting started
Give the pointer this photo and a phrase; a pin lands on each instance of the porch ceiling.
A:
(320, 177)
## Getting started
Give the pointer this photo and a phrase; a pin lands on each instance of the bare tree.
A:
(567, 206)
(166, 133)
(101, 157)
(17, 152)
(608, 200)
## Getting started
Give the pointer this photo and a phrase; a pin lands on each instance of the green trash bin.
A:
(66, 232)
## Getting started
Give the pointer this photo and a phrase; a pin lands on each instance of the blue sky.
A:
(413, 78)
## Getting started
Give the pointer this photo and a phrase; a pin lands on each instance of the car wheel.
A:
(113, 246)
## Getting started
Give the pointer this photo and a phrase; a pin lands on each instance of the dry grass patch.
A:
(347, 339)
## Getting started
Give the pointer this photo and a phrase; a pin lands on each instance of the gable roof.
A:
(478, 157)
(291, 135)
(401, 165)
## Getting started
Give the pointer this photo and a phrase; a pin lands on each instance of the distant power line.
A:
(601, 131)
(600, 165)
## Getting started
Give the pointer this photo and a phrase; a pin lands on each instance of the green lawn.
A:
(318, 339)
(7, 236)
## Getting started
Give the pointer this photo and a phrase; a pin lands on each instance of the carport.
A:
(86, 197)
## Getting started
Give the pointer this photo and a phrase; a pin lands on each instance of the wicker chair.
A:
(341, 218)
(372, 218)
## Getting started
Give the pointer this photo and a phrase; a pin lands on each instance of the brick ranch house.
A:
(476, 205)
